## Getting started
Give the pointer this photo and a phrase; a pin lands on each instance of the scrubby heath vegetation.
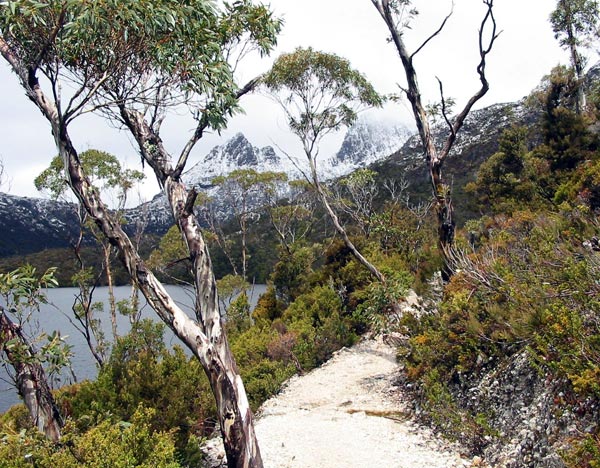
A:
(521, 279)
(525, 282)
(158, 402)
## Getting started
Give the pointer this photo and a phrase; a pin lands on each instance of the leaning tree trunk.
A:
(205, 335)
(338, 226)
(31, 380)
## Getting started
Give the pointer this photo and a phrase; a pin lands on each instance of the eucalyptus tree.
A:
(398, 16)
(574, 23)
(134, 61)
(105, 172)
(321, 93)
(245, 191)
(32, 364)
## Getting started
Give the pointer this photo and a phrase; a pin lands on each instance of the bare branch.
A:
(444, 109)
(484, 50)
(71, 114)
(2, 173)
(436, 33)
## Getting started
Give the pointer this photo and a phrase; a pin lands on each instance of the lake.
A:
(56, 316)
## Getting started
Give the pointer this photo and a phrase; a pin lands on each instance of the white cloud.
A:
(525, 51)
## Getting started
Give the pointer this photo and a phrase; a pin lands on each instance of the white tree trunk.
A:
(31, 381)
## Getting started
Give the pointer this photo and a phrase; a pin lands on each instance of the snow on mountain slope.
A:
(30, 225)
(33, 224)
(237, 153)
(364, 143)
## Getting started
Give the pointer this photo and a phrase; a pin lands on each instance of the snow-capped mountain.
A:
(385, 148)
(236, 153)
(33, 224)
(366, 142)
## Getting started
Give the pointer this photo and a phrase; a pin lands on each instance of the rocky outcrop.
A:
(535, 416)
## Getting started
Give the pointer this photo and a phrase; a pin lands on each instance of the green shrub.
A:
(585, 452)
(316, 318)
(142, 372)
(110, 443)
(529, 285)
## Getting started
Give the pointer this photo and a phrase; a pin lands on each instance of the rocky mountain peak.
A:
(238, 150)
(235, 153)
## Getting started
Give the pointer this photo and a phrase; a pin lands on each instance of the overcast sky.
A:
(525, 51)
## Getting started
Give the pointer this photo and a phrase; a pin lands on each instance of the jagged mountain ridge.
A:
(360, 148)
(236, 153)
(363, 143)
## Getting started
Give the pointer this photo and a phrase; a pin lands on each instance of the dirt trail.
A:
(348, 414)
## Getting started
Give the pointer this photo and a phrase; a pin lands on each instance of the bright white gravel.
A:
(348, 414)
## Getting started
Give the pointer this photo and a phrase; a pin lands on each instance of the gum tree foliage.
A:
(575, 24)
(320, 94)
(33, 359)
(133, 61)
(398, 16)
(244, 190)
(106, 173)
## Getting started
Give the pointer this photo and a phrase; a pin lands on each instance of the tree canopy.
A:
(150, 52)
(319, 92)
(575, 21)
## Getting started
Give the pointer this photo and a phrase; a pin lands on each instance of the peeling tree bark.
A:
(205, 336)
(112, 303)
(31, 380)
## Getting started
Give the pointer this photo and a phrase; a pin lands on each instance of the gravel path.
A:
(348, 414)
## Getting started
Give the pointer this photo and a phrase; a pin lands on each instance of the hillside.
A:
(33, 224)
(476, 142)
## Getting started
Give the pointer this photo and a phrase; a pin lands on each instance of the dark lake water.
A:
(55, 316)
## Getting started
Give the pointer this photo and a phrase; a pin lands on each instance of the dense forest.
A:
(502, 245)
